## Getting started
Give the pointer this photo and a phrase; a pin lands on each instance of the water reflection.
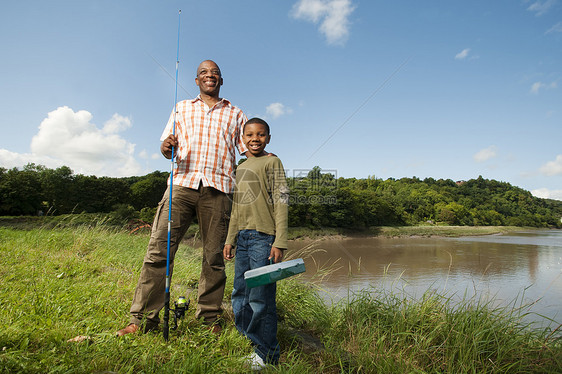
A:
(517, 269)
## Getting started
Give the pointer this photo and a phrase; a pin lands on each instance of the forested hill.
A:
(318, 199)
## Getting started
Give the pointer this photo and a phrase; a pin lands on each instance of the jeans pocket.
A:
(260, 247)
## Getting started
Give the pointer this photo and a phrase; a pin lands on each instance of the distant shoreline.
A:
(296, 233)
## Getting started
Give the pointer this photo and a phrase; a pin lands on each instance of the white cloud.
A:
(552, 167)
(70, 138)
(333, 16)
(545, 193)
(116, 124)
(10, 160)
(537, 86)
(145, 156)
(276, 110)
(541, 7)
(462, 54)
(485, 154)
(555, 28)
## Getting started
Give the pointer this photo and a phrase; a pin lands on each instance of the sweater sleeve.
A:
(233, 222)
(280, 195)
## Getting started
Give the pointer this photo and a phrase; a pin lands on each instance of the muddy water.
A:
(515, 269)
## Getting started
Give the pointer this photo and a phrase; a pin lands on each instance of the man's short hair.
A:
(197, 70)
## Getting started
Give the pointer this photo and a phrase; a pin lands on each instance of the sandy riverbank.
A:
(296, 233)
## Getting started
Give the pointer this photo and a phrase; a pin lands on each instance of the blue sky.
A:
(442, 89)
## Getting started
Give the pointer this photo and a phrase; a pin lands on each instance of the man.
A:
(208, 131)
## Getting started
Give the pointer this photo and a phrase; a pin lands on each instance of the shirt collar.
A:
(222, 101)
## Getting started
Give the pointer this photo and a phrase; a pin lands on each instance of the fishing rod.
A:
(167, 292)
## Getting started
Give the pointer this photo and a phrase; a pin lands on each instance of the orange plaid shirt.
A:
(207, 139)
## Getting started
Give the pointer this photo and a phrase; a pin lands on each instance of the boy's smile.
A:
(255, 137)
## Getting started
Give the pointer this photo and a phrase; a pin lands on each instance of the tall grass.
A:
(395, 333)
(62, 282)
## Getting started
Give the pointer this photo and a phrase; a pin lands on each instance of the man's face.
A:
(209, 78)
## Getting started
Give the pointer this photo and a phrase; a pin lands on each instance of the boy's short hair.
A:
(257, 120)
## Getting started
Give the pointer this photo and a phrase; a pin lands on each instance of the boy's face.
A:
(255, 137)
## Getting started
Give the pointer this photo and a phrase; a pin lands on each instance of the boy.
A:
(258, 227)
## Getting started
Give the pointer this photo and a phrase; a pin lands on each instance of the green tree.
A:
(57, 186)
(147, 192)
(100, 194)
(20, 191)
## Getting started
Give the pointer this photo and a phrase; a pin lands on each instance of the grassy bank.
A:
(63, 282)
(105, 220)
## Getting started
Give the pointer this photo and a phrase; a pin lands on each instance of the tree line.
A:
(318, 199)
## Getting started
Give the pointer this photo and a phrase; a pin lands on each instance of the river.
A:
(523, 268)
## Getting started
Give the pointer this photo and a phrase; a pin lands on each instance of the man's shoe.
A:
(130, 329)
(255, 362)
(215, 329)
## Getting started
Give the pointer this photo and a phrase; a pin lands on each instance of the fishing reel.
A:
(181, 307)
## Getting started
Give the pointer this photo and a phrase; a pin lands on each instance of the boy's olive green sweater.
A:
(261, 198)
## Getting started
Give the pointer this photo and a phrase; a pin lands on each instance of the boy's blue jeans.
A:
(255, 313)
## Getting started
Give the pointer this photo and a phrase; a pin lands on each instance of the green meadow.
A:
(63, 282)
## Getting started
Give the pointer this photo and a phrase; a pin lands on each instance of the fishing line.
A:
(381, 86)
(166, 329)
(169, 75)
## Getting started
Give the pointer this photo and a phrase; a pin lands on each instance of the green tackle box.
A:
(274, 272)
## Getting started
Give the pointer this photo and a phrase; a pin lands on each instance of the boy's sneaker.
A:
(255, 362)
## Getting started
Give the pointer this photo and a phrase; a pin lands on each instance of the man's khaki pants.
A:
(212, 208)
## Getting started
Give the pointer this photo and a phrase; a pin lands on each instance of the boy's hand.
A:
(167, 144)
(227, 252)
(276, 254)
